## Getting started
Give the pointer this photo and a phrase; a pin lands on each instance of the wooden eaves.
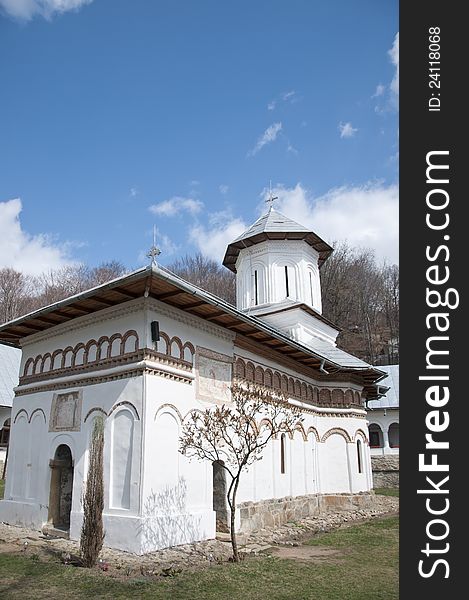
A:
(160, 284)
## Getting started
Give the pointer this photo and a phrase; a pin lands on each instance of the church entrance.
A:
(219, 496)
(61, 484)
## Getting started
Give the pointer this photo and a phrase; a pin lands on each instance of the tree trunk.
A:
(232, 503)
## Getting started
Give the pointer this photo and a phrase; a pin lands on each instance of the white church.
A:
(147, 349)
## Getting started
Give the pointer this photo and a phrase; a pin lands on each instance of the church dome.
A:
(274, 226)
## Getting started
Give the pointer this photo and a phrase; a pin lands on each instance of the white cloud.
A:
(288, 95)
(269, 136)
(346, 130)
(175, 205)
(212, 240)
(27, 9)
(133, 192)
(223, 189)
(394, 56)
(380, 89)
(366, 216)
(31, 254)
(291, 97)
(292, 150)
(390, 100)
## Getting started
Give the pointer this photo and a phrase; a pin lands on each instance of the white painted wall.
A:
(269, 259)
(154, 496)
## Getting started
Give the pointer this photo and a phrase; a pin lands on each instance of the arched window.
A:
(282, 453)
(393, 434)
(359, 456)
(376, 436)
(5, 433)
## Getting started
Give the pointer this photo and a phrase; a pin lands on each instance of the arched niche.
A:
(122, 437)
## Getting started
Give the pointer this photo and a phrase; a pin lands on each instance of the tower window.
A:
(256, 292)
(311, 285)
(359, 456)
(286, 281)
(282, 453)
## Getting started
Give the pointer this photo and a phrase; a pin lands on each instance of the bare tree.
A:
(230, 436)
(362, 299)
(57, 284)
(106, 271)
(391, 310)
(206, 274)
(15, 292)
(92, 532)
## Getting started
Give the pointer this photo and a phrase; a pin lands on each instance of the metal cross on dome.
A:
(271, 199)
(154, 251)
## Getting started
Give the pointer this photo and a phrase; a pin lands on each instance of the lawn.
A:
(2, 488)
(362, 566)
(387, 492)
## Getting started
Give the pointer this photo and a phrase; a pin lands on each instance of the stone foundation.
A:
(277, 511)
(385, 471)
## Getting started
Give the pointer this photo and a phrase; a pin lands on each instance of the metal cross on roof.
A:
(154, 251)
(271, 199)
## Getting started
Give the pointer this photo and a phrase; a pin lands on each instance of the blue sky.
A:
(120, 114)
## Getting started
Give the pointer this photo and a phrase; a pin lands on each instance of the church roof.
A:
(160, 284)
(9, 371)
(274, 226)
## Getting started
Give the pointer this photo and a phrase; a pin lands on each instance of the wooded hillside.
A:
(359, 296)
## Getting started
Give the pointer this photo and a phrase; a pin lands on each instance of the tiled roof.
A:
(9, 372)
(274, 226)
(272, 221)
(338, 356)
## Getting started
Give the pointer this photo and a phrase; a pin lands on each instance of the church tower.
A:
(277, 264)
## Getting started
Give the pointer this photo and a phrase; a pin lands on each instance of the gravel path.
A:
(17, 539)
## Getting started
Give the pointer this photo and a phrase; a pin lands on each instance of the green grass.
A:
(387, 492)
(365, 568)
(372, 556)
(2, 488)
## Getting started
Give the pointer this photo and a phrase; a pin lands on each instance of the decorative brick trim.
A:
(126, 404)
(362, 434)
(92, 410)
(314, 431)
(172, 407)
(294, 387)
(37, 410)
(336, 431)
(19, 413)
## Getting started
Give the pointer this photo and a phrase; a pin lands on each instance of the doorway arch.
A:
(61, 486)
